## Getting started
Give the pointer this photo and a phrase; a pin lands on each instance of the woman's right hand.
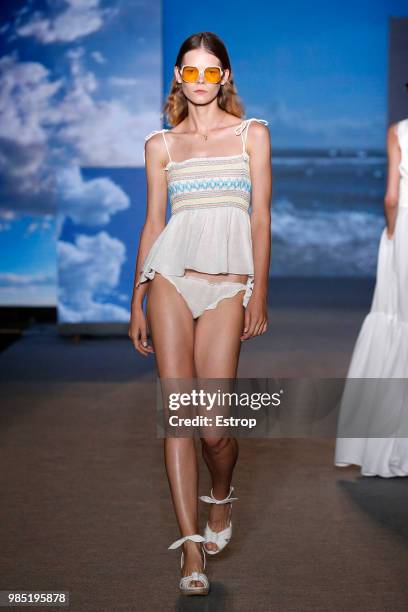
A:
(138, 331)
(389, 234)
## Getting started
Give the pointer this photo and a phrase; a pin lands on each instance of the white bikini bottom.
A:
(202, 294)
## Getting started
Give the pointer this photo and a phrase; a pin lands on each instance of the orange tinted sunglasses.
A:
(212, 74)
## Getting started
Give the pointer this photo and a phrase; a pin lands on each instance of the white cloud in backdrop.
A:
(26, 96)
(98, 57)
(76, 19)
(89, 269)
(91, 202)
(27, 289)
(25, 279)
(45, 121)
(104, 131)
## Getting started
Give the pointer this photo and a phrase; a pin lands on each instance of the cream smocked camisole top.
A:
(209, 229)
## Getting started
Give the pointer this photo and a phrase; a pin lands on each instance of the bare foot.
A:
(193, 561)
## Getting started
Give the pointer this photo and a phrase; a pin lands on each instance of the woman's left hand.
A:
(256, 317)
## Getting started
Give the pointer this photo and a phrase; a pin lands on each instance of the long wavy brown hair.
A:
(175, 108)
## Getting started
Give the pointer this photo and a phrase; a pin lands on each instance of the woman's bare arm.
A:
(155, 219)
(259, 149)
(393, 179)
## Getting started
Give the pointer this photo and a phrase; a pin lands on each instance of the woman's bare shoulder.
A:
(259, 134)
(261, 129)
(155, 148)
(154, 142)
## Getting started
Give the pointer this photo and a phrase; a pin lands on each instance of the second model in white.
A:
(378, 407)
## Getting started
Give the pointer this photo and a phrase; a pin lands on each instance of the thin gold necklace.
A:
(205, 136)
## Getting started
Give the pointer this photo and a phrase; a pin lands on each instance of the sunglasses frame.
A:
(201, 73)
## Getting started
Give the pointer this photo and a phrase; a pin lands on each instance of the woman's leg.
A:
(172, 330)
(216, 354)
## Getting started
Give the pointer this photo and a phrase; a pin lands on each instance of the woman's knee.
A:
(214, 444)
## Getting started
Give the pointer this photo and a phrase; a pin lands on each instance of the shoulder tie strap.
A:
(242, 129)
(164, 138)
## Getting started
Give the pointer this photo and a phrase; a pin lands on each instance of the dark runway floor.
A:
(86, 506)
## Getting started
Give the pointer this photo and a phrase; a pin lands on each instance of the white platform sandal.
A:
(185, 586)
(220, 538)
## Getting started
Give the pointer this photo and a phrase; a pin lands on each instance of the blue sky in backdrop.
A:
(316, 70)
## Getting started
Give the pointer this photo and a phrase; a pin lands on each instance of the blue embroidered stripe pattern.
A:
(204, 185)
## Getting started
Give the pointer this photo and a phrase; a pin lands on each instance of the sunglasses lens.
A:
(213, 74)
(189, 74)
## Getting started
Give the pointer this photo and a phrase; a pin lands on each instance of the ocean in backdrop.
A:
(327, 212)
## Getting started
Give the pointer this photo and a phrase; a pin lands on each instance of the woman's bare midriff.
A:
(216, 278)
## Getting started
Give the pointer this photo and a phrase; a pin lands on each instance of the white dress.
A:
(379, 408)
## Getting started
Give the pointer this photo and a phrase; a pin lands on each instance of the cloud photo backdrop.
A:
(80, 86)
